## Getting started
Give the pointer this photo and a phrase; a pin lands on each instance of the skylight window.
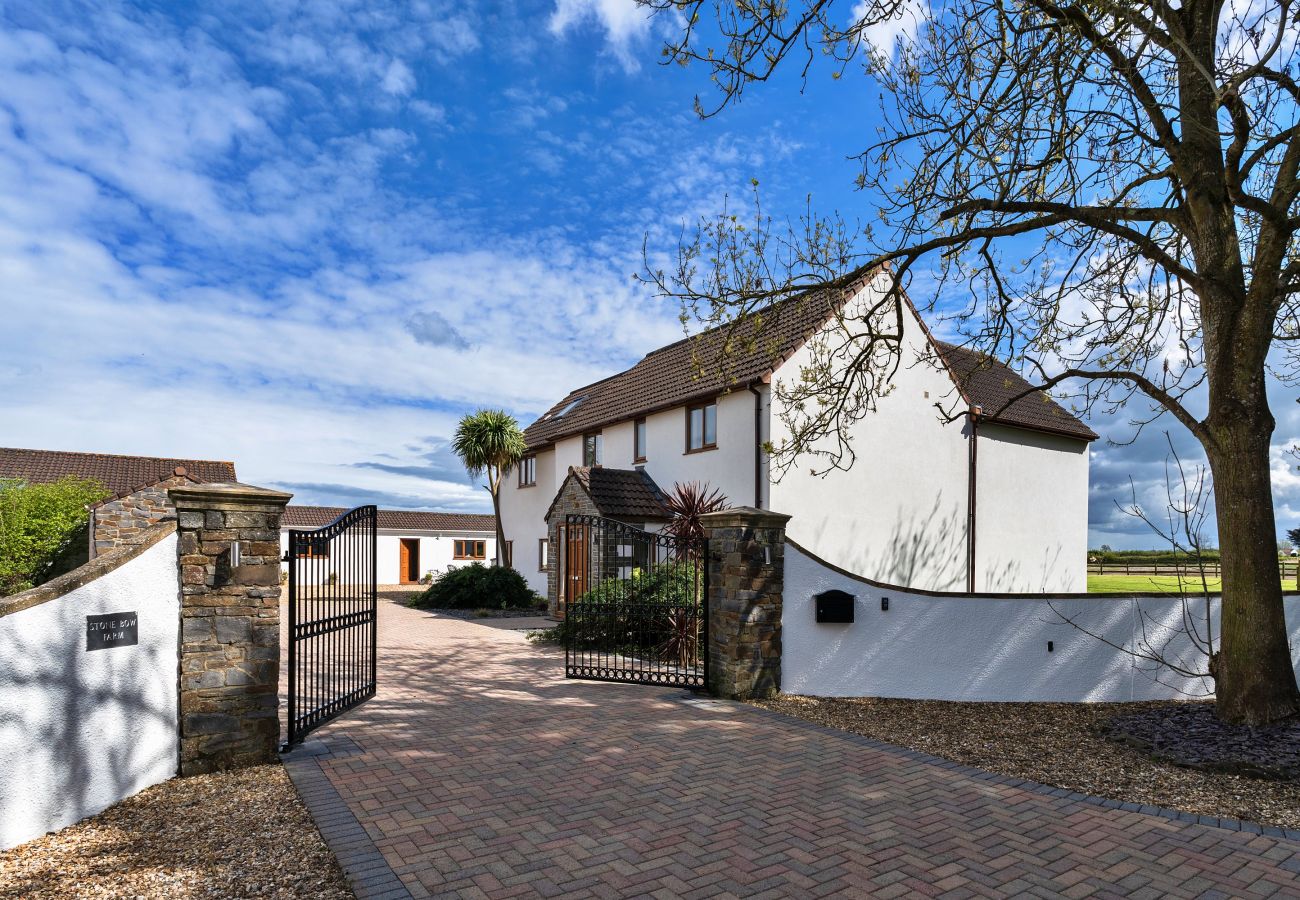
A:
(569, 407)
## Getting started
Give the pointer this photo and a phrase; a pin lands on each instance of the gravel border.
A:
(238, 834)
(1058, 745)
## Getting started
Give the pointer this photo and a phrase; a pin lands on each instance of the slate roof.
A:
(121, 475)
(989, 384)
(624, 494)
(697, 368)
(692, 368)
(395, 519)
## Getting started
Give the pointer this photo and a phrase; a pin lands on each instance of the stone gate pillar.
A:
(229, 558)
(746, 581)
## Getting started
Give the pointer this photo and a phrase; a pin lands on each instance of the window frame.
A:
(640, 437)
(598, 448)
(458, 548)
(703, 409)
(543, 554)
(528, 471)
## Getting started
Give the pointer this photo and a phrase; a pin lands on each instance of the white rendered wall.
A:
(899, 514)
(972, 648)
(82, 730)
(437, 553)
(1032, 525)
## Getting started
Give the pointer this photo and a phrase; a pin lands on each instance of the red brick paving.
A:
(479, 771)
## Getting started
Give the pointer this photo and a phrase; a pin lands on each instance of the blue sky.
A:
(307, 237)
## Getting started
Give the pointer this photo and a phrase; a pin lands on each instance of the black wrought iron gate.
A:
(634, 604)
(332, 613)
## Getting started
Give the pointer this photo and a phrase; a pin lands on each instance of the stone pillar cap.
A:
(744, 515)
(206, 494)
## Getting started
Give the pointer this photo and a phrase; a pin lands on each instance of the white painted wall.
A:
(82, 730)
(1032, 528)
(899, 514)
(975, 648)
(437, 552)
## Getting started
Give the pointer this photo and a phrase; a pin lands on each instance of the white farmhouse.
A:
(995, 500)
(409, 544)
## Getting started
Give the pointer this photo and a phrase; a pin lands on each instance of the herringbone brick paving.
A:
(479, 771)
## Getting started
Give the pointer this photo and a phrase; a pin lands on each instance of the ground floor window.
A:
(543, 546)
(470, 550)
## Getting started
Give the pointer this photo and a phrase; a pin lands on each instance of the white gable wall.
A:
(899, 514)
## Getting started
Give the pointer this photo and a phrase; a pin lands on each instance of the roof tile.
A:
(119, 474)
(394, 519)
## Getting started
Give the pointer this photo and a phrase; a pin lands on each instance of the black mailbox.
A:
(834, 606)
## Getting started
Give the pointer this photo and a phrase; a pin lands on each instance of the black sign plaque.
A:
(112, 630)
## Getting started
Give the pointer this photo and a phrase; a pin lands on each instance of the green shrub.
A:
(478, 586)
(37, 521)
(655, 612)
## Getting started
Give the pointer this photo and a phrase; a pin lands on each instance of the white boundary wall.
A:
(960, 647)
(81, 730)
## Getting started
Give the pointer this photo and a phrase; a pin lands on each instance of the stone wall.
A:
(746, 582)
(121, 520)
(230, 624)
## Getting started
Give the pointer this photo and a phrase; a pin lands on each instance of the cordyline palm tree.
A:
(490, 443)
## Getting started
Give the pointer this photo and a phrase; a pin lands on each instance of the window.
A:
(470, 550)
(509, 558)
(638, 440)
(543, 547)
(313, 548)
(701, 427)
(593, 448)
(528, 471)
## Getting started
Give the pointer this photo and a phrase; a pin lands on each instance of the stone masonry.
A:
(122, 519)
(230, 624)
(746, 580)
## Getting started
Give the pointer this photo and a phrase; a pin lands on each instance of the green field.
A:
(1145, 584)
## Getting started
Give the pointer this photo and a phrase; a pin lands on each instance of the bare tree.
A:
(1108, 192)
(1188, 648)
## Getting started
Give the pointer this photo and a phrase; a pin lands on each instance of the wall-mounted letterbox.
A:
(835, 607)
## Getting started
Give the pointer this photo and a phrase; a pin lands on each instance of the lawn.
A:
(1165, 584)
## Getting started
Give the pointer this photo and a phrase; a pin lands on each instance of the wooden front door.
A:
(577, 563)
(409, 562)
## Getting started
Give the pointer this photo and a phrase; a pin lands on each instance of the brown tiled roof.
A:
(723, 358)
(625, 494)
(121, 475)
(693, 368)
(990, 384)
(395, 519)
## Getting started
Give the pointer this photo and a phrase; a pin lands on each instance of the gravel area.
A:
(1189, 734)
(1059, 744)
(237, 834)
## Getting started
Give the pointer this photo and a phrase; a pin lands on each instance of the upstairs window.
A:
(528, 471)
(701, 427)
(593, 449)
(638, 440)
(470, 550)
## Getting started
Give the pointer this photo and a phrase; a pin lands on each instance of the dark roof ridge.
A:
(223, 462)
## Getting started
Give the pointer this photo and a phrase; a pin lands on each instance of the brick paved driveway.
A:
(479, 771)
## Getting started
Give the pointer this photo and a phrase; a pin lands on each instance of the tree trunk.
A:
(503, 549)
(1254, 679)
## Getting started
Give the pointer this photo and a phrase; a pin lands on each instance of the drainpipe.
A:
(971, 493)
(758, 446)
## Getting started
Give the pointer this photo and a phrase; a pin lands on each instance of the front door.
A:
(577, 562)
(409, 564)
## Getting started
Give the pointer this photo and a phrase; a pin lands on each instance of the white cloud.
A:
(398, 79)
(624, 23)
(903, 25)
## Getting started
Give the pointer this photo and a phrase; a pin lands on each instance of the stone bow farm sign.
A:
(112, 630)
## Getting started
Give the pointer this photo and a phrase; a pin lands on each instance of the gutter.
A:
(971, 495)
(758, 446)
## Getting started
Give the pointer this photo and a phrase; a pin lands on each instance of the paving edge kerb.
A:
(367, 871)
(1036, 787)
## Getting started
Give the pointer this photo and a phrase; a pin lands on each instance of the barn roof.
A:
(121, 475)
(393, 519)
